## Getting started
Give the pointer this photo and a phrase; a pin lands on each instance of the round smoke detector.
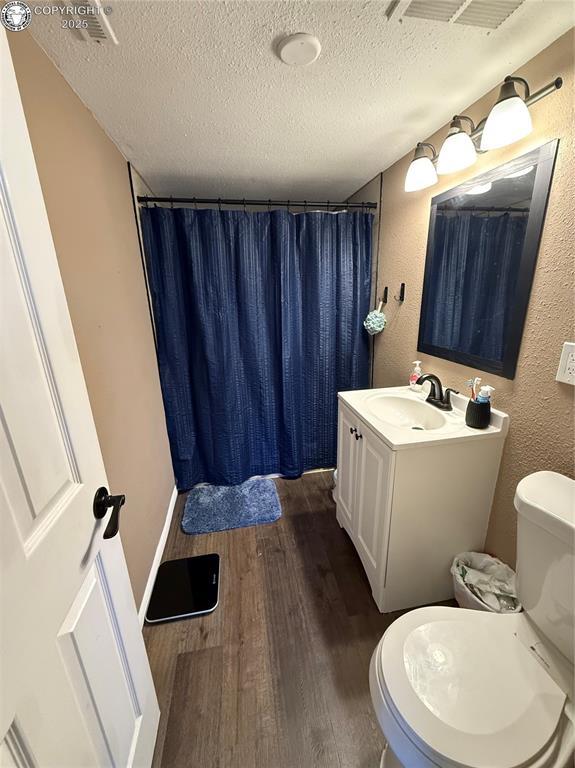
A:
(299, 50)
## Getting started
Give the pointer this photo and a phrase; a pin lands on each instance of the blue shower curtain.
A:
(258, 322)
(473, 279)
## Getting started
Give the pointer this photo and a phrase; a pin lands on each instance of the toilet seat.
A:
(465, 691)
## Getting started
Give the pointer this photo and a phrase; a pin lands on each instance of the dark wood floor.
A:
(277, 676)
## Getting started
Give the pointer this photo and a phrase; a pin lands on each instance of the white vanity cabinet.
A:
(347, 453)
(364, 493)
(410, 508)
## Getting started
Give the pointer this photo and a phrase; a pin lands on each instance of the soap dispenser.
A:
(415, 374)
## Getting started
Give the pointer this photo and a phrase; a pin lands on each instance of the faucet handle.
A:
(447, 394)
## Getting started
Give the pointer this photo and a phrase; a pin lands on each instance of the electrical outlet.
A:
(566, 370)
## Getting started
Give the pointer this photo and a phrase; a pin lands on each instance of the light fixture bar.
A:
(507, 122)
(551, 87)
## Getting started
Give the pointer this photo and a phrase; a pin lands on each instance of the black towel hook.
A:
(401, 296)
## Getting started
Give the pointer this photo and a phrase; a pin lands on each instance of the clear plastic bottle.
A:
(415, 374)
(484, 395)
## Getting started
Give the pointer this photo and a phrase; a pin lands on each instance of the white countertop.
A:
(399, 438)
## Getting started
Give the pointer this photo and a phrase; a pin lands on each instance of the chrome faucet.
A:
(437, 396)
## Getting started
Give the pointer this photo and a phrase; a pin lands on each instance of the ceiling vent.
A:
(391, 9)
(97, 28)
(434, 10)
(485, 14)
(489, 14)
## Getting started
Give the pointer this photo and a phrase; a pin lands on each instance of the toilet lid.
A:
(466, 690)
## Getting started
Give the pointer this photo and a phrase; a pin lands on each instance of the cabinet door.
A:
(374, 483)
(347, 466)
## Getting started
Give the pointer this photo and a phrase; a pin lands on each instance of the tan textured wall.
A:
(87, 192)
(371, 193)
(541, 428)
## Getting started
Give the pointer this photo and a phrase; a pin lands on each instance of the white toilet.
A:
(456, 688)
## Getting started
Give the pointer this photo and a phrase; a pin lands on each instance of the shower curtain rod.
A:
(143, 200)
(491, 209)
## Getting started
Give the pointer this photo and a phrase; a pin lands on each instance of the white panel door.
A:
(374, 483)
(347, 450)
(76, 688)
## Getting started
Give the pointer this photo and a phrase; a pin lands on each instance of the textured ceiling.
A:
(196, 99)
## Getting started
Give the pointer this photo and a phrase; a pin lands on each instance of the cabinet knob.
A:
(358, 436)
(352, 430)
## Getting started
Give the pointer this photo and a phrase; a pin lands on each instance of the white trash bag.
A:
(484, 583)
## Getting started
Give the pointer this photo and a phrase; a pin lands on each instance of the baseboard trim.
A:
(157, 558)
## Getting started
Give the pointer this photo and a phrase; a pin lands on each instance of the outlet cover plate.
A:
(566, 370)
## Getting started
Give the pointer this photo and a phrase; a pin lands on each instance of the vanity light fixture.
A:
(509, 119)
(421, 172)
(522, 172)
(480, 189)
(458, 150)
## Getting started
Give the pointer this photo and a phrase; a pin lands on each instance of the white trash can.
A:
(484, 583)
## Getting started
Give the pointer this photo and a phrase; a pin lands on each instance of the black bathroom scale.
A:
(185, 588)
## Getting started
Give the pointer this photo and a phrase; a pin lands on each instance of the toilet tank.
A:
(545, 502)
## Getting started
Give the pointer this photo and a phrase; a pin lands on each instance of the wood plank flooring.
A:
(277, 676)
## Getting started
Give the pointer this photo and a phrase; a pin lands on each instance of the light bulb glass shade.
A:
(508, 121)
(457, 153)
(420, 174)
(522, 172)
(480, 189)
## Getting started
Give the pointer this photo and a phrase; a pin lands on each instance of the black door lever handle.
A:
(102, 503)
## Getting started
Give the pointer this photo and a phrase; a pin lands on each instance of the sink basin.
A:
(405, 413)
(403, 419)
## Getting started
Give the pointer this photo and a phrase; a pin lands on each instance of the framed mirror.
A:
(482, 249)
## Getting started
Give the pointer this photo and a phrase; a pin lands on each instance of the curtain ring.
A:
(288, 207)
(305, 206)
(195, 204)
(328, 206)
(269, 205)
(171, 202)
(244, 202)
(220, 204)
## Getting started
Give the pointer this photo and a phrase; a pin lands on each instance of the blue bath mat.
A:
(212, 508)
